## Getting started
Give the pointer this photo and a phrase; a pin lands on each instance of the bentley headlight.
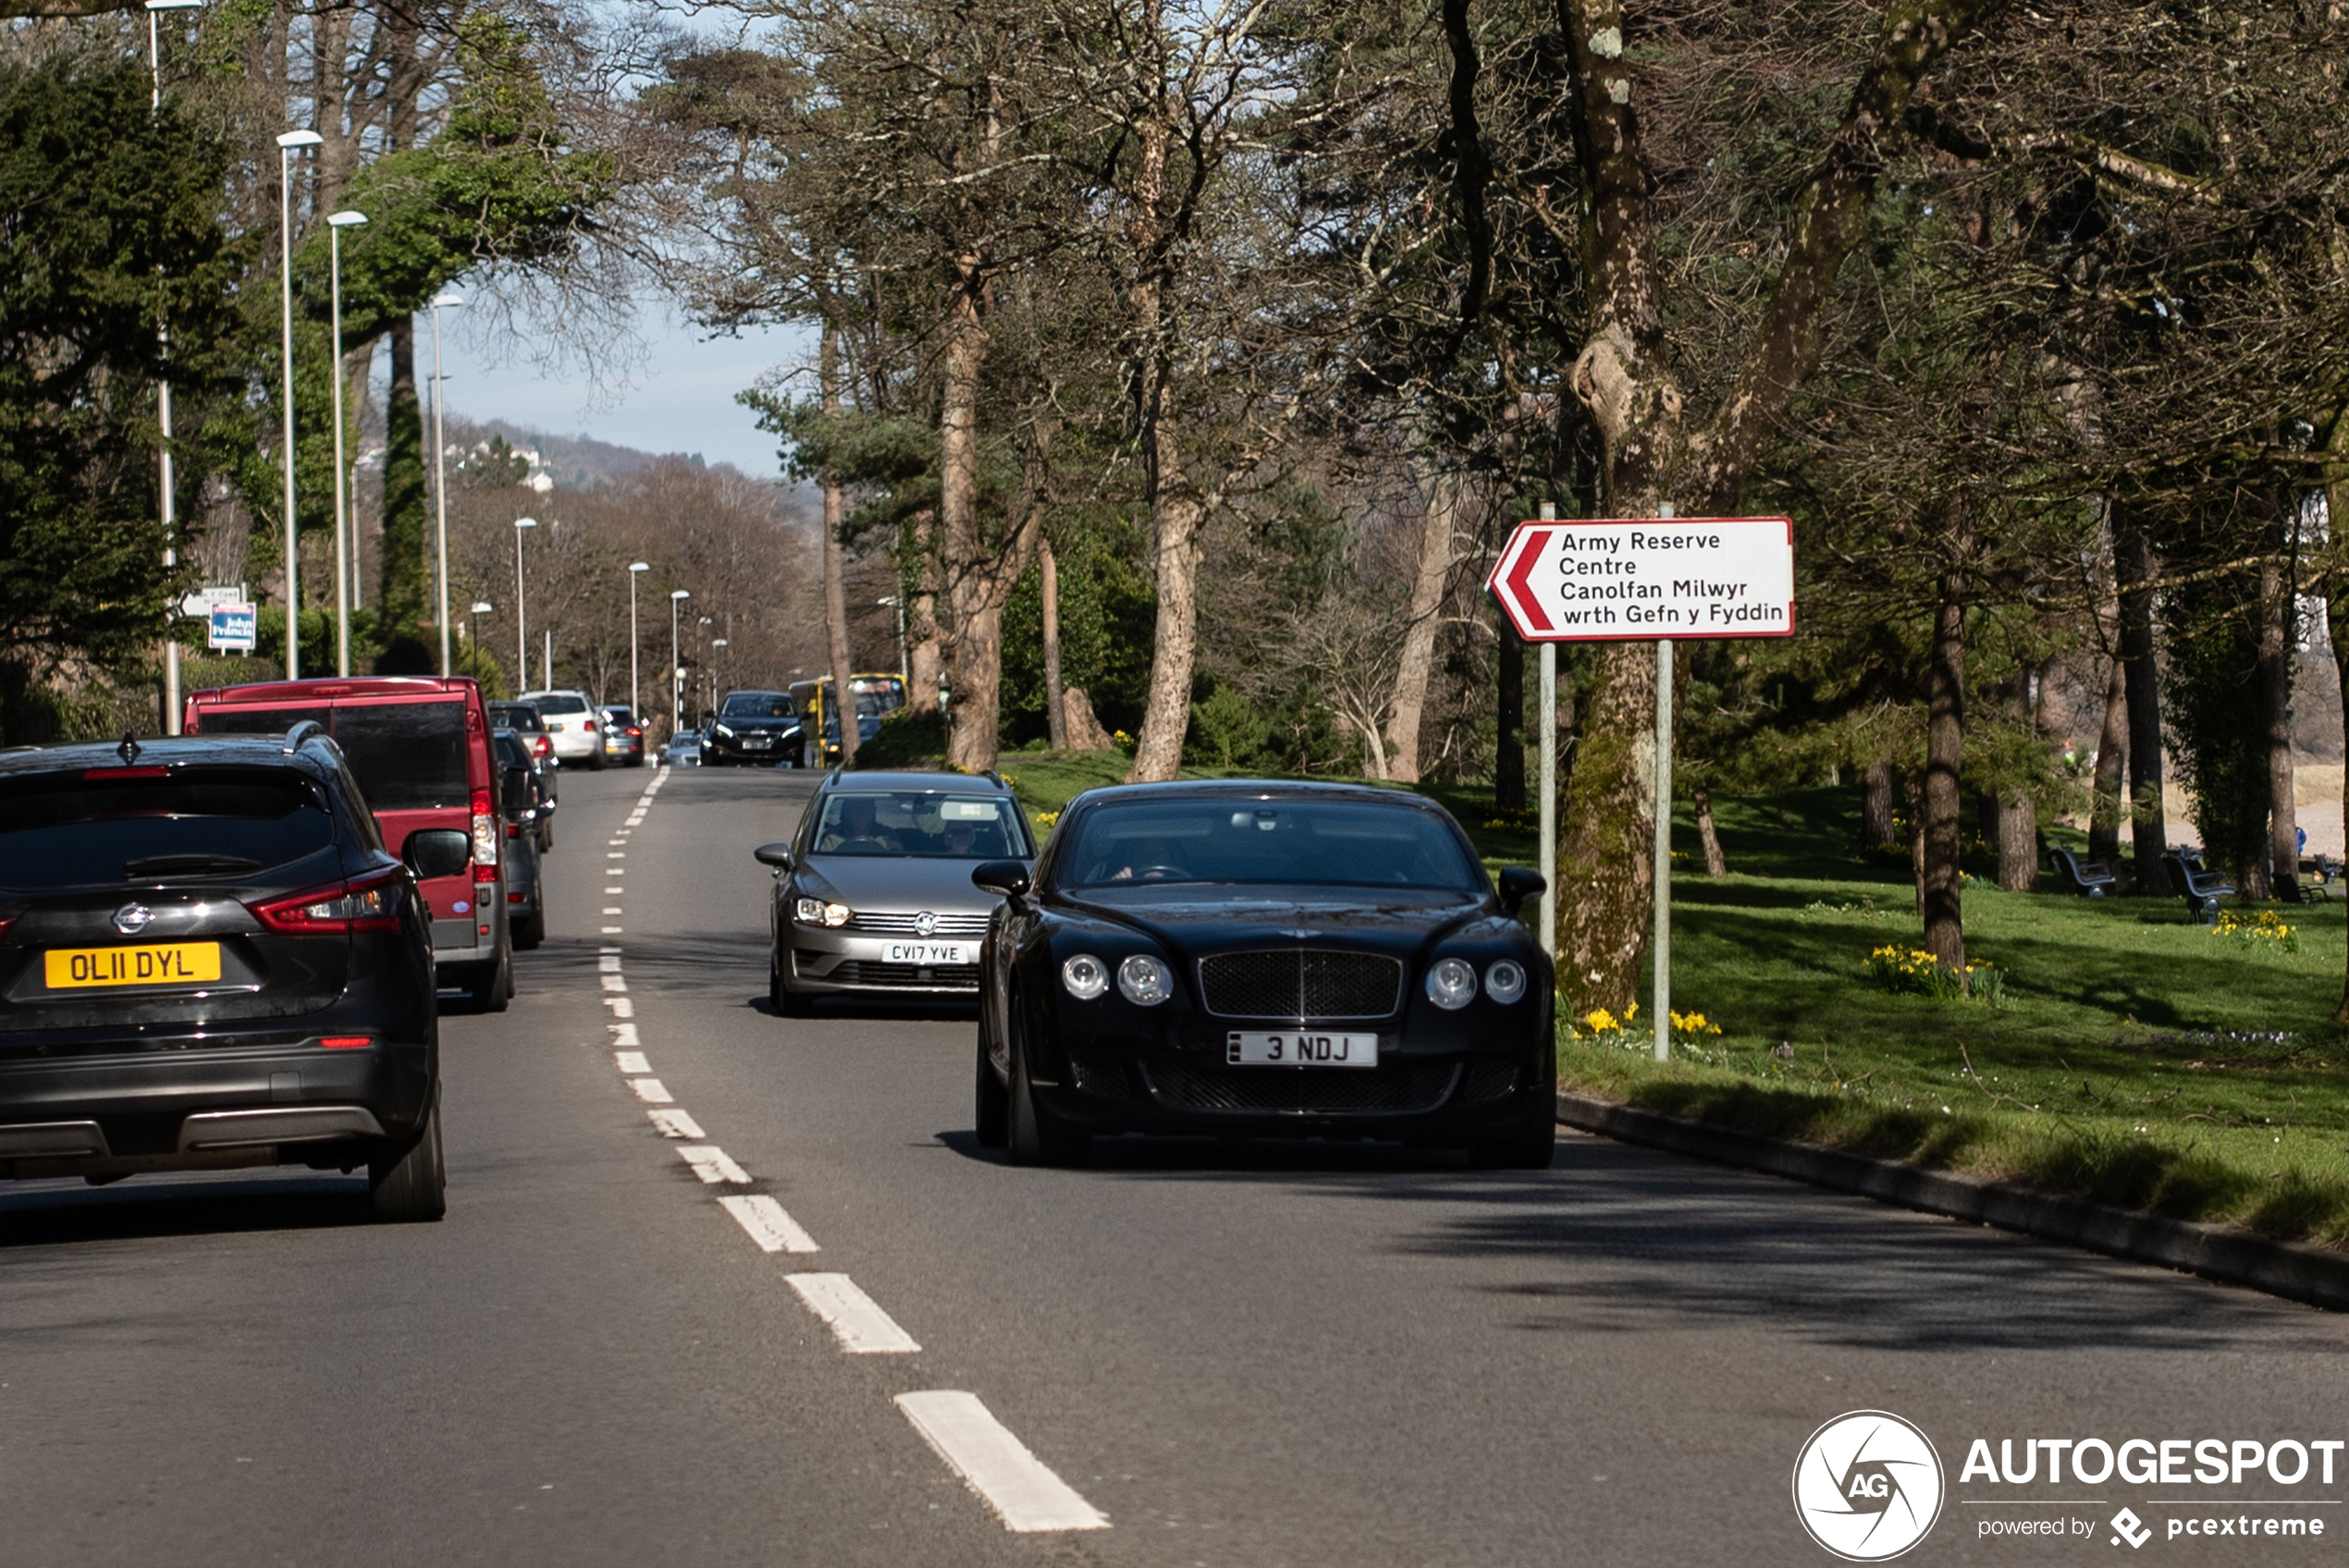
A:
(1505, 982)
(815, 911)
(1451, 983)
(1086, 976)
(1144, 980)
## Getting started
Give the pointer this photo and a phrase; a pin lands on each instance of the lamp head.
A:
(294, 139)
(483, 607)
(679, 594)
(346, 219)
(448, 302)
(525, 522)
(173, 5)
(639, 566)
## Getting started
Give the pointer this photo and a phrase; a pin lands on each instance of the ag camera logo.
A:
(1868, 1486)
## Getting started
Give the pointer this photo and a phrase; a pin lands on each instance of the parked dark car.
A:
(1263, 959)
(525, 864)
(873, 896)
(209, 958)
(546, 768)
(753, 730)
(623, 736)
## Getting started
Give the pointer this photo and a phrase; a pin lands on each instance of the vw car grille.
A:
(903, 924)
(1301, 983)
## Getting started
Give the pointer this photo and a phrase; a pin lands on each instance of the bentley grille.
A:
(1301, 983)
(1307, 1091)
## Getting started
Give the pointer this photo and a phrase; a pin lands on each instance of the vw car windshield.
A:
(1308, 843)
(919, 823)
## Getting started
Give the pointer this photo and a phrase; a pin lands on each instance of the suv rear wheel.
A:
(414, 1186)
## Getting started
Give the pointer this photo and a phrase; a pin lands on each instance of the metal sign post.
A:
(1624, 578)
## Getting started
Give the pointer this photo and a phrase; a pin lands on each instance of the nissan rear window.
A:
(214, 825)
(408, 756)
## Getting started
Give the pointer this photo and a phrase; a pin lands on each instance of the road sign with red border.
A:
(1585, 580)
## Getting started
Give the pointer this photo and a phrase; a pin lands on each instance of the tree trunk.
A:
(2112, 760)
(1175, 512)
(1055, 710)
(1442, 493)
(921, 621)
(974, 643)
(835, 573)
(1715, 864)
(1944, 748)
(2276, 643)
(1913, 791)
(2018, 842)
(2133, 564)
(1876, 828)
(1508, 737)
(1606, 823)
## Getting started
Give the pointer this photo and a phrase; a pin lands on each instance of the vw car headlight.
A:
(1505, 982)
(1451, 983)
(815, 911)
(1145, 981)
(727, 732)
(1086, 976)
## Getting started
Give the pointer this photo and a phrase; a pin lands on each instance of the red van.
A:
(420, 747)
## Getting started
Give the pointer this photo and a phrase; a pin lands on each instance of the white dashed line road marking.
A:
(623, 1035)
(632, 1061)
(610, 892)
(608, 963)
(713, 1165)
(613, 983)
(773, 1229)
(675, 1123)
(857, 1321)
(612, 909)
(652, 1091)
(621, 1006)
(615, 854)
(1019, 1486)
(611, 930)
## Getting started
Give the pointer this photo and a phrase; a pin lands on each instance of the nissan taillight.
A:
(485, 838)
(363, 904)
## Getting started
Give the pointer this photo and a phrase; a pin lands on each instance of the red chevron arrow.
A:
(1516, 587)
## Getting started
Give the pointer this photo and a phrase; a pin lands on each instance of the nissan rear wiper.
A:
(186, 865)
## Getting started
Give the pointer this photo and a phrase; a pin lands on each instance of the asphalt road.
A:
(1259, 1359)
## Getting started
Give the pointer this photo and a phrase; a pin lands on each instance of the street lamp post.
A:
(440, 471)
(163, 399)
(635, 703)
(676, 672)
(714, 643)
(904, 664)
(481, 607)
(521, 610)
(335, 223)
(285, 145)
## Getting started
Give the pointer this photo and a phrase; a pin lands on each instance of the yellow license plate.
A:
(158, 964)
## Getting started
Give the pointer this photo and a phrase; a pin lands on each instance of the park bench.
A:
(2201, 889)
(2323, 874)
(2089, 881)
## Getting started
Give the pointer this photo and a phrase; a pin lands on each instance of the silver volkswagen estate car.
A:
(873, 894)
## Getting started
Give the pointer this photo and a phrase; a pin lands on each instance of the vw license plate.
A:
(928, 952)
(1301, 1049)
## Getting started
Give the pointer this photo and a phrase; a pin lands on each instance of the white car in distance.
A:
(570, 716)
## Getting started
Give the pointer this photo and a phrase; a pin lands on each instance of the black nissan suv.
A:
(209, 958)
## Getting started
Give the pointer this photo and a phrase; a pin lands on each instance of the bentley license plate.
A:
(1300, 1049)
(928, 952)
(160, 964)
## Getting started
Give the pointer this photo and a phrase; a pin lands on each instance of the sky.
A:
(680, 399)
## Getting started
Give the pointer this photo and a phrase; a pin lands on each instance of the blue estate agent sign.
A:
(234, 628)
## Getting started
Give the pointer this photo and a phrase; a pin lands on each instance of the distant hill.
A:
(573, 462)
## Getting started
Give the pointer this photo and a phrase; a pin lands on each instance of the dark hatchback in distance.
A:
(210, 959)
(1252, 960)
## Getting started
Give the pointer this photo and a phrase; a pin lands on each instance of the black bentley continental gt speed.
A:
(1254, 959)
